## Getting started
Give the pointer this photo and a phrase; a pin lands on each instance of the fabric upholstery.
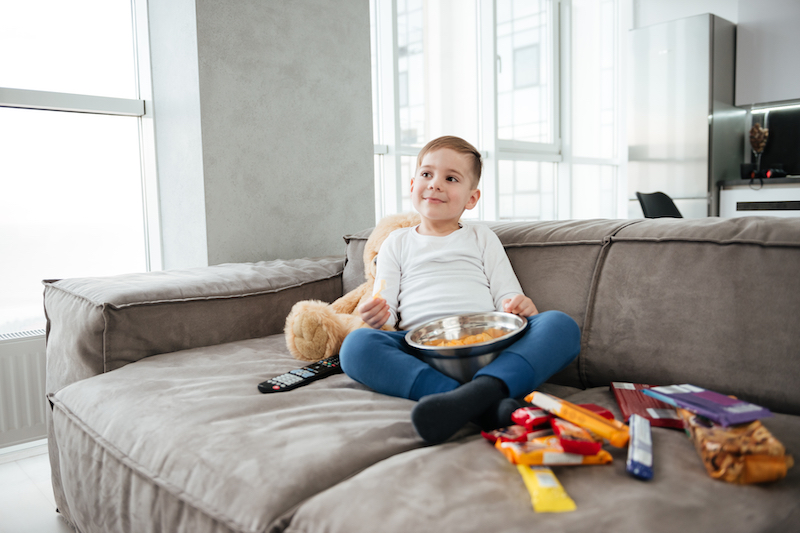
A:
(710, 302)
(106, 323)
(157, 424)
(185, 440)
(353, 274)
(466, 485)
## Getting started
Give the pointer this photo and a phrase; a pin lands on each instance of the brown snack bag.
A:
(743, 454)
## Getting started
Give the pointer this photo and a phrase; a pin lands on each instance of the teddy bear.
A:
(314, 329)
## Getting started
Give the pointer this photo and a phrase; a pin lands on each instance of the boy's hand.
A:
(520, 305)
(374, 312)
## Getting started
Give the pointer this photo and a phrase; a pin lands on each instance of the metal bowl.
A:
(461, 362)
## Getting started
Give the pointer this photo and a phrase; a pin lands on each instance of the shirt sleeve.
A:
(388, 269)
(503, 282)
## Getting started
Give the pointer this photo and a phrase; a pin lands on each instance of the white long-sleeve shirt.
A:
(431, 277)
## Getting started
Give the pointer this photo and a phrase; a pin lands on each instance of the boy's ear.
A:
(474, 196)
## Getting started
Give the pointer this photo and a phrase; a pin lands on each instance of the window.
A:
(533, 84)
(425, 86)
(595, 115)
(71, 128)
(525, 76)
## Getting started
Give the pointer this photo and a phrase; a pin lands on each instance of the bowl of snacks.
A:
(460, 345)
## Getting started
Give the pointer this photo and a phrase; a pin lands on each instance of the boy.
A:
(443, 267)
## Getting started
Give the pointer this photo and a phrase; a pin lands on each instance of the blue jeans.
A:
(383, 361)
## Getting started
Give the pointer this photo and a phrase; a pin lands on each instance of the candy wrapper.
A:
(547, 494)
(743, 454)
(514, 433)
(547, 451)
(614, 431)
(531, 417)
(640, 448)
(575, 439)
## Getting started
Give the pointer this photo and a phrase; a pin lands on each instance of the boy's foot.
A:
(438, 416)
(498, 415)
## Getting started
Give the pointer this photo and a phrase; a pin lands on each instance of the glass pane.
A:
(80, 46)
(70, 204)
(593, 76)
(525, 70)
(593, 194)
(437, 70)
(526, 190)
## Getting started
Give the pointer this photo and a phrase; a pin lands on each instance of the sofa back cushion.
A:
(711, 302)
(554, 262)
(353, 275)
(96, 325)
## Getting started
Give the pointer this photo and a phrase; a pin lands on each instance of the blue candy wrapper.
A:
(640, 448)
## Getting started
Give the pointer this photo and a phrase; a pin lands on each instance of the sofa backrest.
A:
(713, 302)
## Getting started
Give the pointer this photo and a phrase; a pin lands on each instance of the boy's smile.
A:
(442, 189)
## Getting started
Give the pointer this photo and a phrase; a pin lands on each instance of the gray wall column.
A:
(281, 104)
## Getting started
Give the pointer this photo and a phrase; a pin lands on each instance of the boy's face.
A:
(443, 186)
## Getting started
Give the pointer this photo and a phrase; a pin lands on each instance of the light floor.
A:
(26, 496)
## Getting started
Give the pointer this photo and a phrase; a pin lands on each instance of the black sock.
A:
(438, 416)
(498, 415)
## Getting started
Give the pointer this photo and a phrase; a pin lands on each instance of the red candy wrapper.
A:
(530, 417)
(602, 411)
(575, 439)
(509, 434)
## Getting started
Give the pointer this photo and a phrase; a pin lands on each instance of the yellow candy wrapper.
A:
(547, 494)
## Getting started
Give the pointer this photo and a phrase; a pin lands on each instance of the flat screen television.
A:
(783, 143)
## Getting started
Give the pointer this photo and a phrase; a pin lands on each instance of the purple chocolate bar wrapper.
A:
(717, 407)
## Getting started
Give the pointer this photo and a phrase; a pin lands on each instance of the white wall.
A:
(263, 127)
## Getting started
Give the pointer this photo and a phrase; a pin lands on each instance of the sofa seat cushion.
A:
(467, 485)
(185, 442)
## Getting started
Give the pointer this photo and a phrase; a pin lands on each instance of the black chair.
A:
(658, 205)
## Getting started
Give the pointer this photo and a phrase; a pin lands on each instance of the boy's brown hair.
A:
(457, 144)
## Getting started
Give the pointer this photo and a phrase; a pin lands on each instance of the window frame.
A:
(140, 107)
(388, 150)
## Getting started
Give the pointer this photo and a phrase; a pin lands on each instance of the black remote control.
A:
(302, 376)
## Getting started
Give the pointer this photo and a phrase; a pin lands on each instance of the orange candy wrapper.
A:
(612, 430)
(741, 454)
(547, 451)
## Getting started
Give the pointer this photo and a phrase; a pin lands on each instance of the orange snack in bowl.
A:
(488, 335)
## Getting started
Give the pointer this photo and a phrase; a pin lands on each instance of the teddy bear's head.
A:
(387, 225)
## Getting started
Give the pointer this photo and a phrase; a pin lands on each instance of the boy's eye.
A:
(452, 178)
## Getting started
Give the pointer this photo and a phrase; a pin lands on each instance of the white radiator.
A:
(22, 390)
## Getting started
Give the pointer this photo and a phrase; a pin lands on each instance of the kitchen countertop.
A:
(788, 180)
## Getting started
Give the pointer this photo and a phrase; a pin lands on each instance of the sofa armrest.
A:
(96, 325)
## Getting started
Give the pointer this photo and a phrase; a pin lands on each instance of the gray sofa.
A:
(157, 425)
